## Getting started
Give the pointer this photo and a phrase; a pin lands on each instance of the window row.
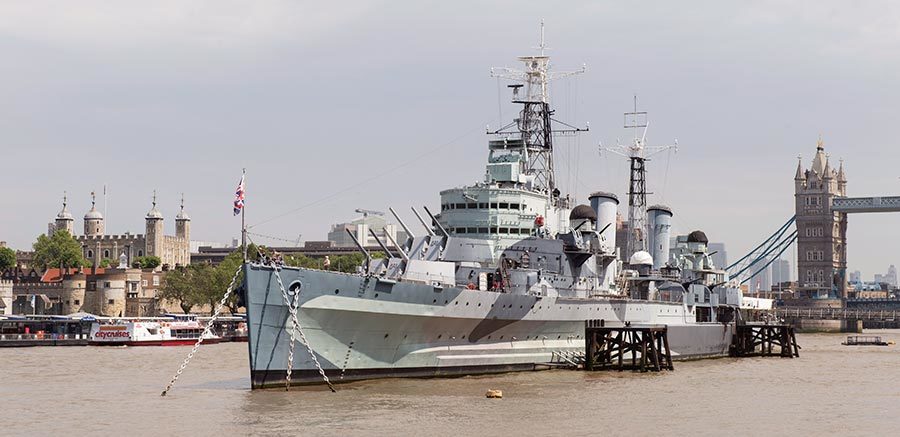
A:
(815, 255)
(482, 205)
(815, 232)
(492, 231)
(815, 276)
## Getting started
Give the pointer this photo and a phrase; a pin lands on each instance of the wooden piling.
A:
(760, 340)
(606, 347)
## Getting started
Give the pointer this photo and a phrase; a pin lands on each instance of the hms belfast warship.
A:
(502, 279)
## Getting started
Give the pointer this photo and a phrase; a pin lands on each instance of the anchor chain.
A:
(290, 367)
(206, 331)
(295, 326)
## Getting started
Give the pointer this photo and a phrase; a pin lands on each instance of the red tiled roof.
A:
(55, 274)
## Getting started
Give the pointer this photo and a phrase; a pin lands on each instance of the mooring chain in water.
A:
(206, 330)
(296, 326)
(290, 366)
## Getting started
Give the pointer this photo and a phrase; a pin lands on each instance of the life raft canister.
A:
(539, 221)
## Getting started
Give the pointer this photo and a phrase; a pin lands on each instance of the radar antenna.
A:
(638, 153)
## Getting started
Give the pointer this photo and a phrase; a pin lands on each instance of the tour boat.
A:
(150, 333)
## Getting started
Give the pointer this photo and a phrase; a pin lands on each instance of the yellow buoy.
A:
(494, 394)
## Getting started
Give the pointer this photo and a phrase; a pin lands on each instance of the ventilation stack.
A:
(659, 224)
(606, 205)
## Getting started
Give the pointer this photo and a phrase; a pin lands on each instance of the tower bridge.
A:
(822, 206)
(866, 204)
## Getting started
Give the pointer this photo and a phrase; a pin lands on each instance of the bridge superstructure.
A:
(822, 207)
(866, 204)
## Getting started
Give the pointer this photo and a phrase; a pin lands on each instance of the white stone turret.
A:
(183, 223)
(65, 220)
(154, 231)
(93, 220)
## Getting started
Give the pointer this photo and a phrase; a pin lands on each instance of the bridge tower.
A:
(821, 231)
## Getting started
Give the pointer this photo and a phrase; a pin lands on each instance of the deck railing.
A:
(44, 336)
(837, 313)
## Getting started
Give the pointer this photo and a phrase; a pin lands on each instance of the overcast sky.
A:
(343, 105)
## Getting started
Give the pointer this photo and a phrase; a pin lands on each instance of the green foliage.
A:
(180, 285)
(58, 249)
(203, 284)
(147, 262)
(105, 263)
(7, 258)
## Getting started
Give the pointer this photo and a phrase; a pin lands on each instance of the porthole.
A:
(489, 337)
(439, 336)
(376, 295)
(434, 301)
(336, 291)
(479, 303)
(385, 336)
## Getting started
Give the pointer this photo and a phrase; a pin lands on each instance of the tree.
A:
(180, 285)
(59, 249)
(147, 262)
(7, 258)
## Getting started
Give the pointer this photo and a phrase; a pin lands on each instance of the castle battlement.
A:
(97, 245)
(128, 237)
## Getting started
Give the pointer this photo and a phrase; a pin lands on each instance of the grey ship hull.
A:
(364, 328)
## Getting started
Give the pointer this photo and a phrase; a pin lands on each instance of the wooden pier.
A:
(636, 348)
(763, 340)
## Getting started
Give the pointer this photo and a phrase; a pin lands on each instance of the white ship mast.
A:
(637, 153)
(534, 119)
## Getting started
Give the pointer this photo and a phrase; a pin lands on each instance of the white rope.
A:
(206, 331)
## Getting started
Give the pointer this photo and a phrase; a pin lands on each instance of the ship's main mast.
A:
(534, 122)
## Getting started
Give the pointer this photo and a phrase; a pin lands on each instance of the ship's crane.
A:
(367, 212)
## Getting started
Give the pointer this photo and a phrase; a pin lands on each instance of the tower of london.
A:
(96, 245)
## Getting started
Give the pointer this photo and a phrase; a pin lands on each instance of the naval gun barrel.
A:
(361, 248)
(383, 247)
(394, 242)
(402, 224)
(435, 221)
(427, 228)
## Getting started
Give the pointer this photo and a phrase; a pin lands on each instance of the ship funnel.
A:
(659, 224)
(606, 205)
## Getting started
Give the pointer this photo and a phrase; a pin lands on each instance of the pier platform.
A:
(764, 340)
(636, 348)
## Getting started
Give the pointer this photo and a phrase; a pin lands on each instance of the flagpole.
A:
(243, 221)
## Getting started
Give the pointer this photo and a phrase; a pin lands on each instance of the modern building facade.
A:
(360, 228)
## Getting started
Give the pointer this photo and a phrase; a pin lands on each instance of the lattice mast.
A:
(534, 122)
(637, 153)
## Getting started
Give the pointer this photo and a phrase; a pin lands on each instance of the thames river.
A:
(831, 389)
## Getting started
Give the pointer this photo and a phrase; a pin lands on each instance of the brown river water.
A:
(830, 390)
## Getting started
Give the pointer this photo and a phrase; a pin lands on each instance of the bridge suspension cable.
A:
(778, 241)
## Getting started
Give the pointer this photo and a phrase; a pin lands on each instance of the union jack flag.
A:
(239, 197)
